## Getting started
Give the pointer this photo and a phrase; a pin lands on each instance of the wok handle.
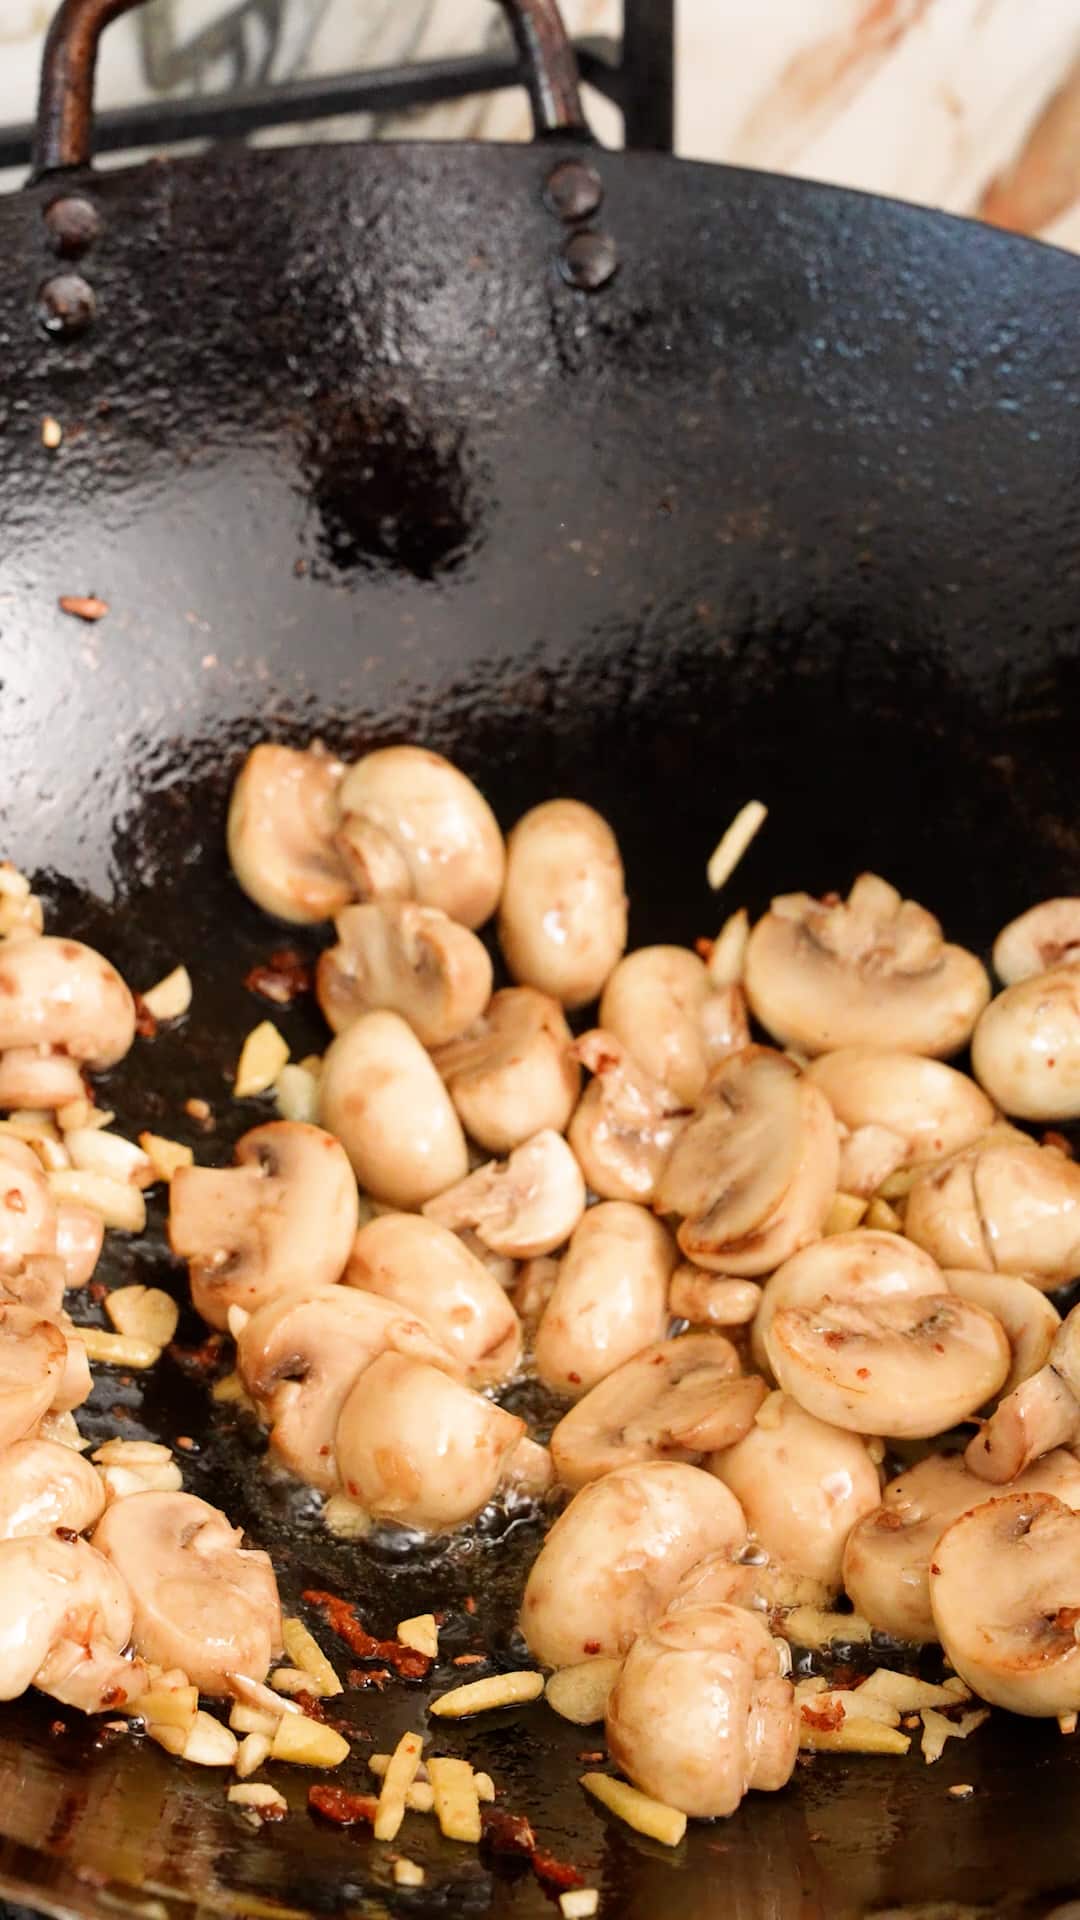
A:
(65, 120)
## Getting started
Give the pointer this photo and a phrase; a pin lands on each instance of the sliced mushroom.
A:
(33, 1360)
(898, 1109)
(202, 1602)
(62, 1007)
(514, 1073)
(701, 1713)
(523, 1206)
(1026, 1047)
(75, 1383)
(710, 1299)
(1009, 1208)
(65, 1616)
(676, 1400)
(626, 1122)
(535, 1286)
(664, 1008)
(424, 1268)
(280, 834)
(44, 1485)
(823, 974)
(562, 919)
(80, 1235)
(382, 1097)
(754, 1171)
(609, 1300)
(1028, 1317)
(1005, 1593)
(37, 1282)
(394, 955)
(863, 1265)
(414, 827)
(614, 1559)
(1043, 938)
(28, 1215)
(1041, 1412)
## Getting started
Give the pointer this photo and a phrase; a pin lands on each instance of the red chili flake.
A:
(574, 1378)
(938, 1348)
(66, 1533)
(834, 1338)
(202, 1113)
(185, 1441)
(198, 1359)
(272, 1812)
(14, 1201)
(341, 1619)
(506, 1832)
(470, 1603)
(862, 1373)
(1054, 1139)
(98, 1291)
(592, 1758)
(591, 1646)
(1051, 1062)
(56, 1727)
(824, 1719)
(85, 606)
(364, 1677)
(468, 1660)
(344, 1809)
(112, 1696)
(933, 1568)
(282, 978)
(703, 948)
(554, 1873)
(145, 1024)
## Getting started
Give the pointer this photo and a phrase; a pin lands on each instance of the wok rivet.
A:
(66, 304)
(74, 224)
(573, 190)
(588, 260)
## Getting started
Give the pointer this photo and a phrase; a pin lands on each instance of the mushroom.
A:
(802, 1486)
(424, 1268)
(609, 1300)
(1042, 939)
(414, 827)
(62, 1007)
(65, 1616)
(888, 1554)
(407, 959)
(1041, 1412)
(1028, 1317)
(36, 1282)
(33, 1362)
(382, 1097)
(1007, 1208)
(285, 1213)
(282, 819)
(80, 1235)
(1026, 1047)
(907, 1368)
(44, 1485)
(626, 1123)
(562, 919)
(615, 1557)
(660, 1002)
(299, 1356)
(823, 974)
(514, 1073)
(28, 1214)
(754, 1171)
(677, 1400)
(710, 1299)
(416, 1447)
(863, 1265)
(75, 1383)
(701, 1712)
(1004, 1590)
(523, 1206)
(202, 1602)
(898, 1110)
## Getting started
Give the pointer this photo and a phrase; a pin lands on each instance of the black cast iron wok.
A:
(788, 505)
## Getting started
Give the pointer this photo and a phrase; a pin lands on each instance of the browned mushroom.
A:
(282, 819)
(676, 1400)
(65, 1618)
(44, 1485)
(525, 1206)
(626, 1122)
(414, 827)
(562, 919)
(609, 1300)
(662, 1005)
(395, 955)
(425, 1269)
(62, 1007)
(514, 1073)
(382, 1097)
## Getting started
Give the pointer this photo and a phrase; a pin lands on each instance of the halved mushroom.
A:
(662, 1005)
(202, 1602)
(898, 1109)
(1005, 1593)
(626, 1122)
(33, 1360)
(1041, 1412)
(1028, 1317)
(514, 1073)
(280, 833)
(802, 1486)
(1026, 1047)
(43, 1486)
(562, 919)
(301, 1353)
(28, 1214)
(754, 1171)
(36, 1282)
(286, 1213)
(65, 1616)
(80, 1235)
(425, 1269)
(701, 1712)
(710, 1299)
(609, 1300)
(382, 1097)
(823, 974)
(404, 958)
(414, 827)
(75, 1383)
(907, 1368)
(863, 1265)
(1045, 937)
(523, 1206)
(416, 1447)
(62, 1007)
(675, 1400)
(1011, 1208)
(616, 1556)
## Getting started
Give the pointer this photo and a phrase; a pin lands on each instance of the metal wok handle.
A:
(65, 121)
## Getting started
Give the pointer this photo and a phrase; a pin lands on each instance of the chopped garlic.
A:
(297, 1094)
(733, 844)
(93, 1150)
(578, 1903)
(166, 1157)
(580, 1693)
(725, 962)
(119, 1203)
(118, 1349)
(137, 1466)
(345, 1519)
(397, 1780)
(477, 1696)
(258, 1794)
(290, 1680)
(639, 1810)
(231, 1391)
(171, 997)
(262, 1057)
(252, 1753)
(910, 1694)
(883, 1218)
(457, 1807)
(937, 1729)
(146, 1313)
(408, 1873)
(305, 1652)
(307, 1743)
(808, 1626)
(253, 1694)
(853, 1735)
(168, 1706)
(421, 1633)
(845, 1213)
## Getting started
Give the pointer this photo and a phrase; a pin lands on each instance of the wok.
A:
(761, 489)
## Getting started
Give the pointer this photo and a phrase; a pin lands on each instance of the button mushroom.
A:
(1028, 1317)
(65, 1617)
(62, 1007)
(662, 1005)
(80, 1235)
(286, 1212)
(414, 827)
(562, 920)
(523, 1206)
(201, 1601)
(754, 1171)
(1041, 1412)
(1026, 1047)
(609, 1299)
(280, 833)
(1007, 1208)
(424, 1268)
(1004, 1592)
(863, 1265)
(676, 1400)
(626, 1122)
(898, 1110)
(44, 1485)
(709, 1299)
(394, 955)
(700, 1712)
(33, 1359)
(514, 1073)
(382, 1097)
(615, 1557)
(28, 1216)
(823, 974)
(1043, 938)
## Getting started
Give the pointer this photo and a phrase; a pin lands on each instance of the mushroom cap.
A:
(1011, 1207)
(658, 1002)
(285, 1214)
(280, 833)
(201, 1601)
(395, 955)
(416, 1447)
(562, 919)
(626, 1122)
(381, 1095)
(802, 1486)
(515, 1072)
(1030, 1320)
(62, 996)
(44, 1485)
(1045, 937)
(28, 1213)
(609, 1299)
(425, 1269)
(931, 1108)
(61, 1604)
(1026, 1047)
(1005, 1594)
(823, 974)
(33, 1359)
(700, 1711)
(674, 1400)
(449, 851)
(80, 1236)
(863, 1265)
(525, 1206)
(615, 1557)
